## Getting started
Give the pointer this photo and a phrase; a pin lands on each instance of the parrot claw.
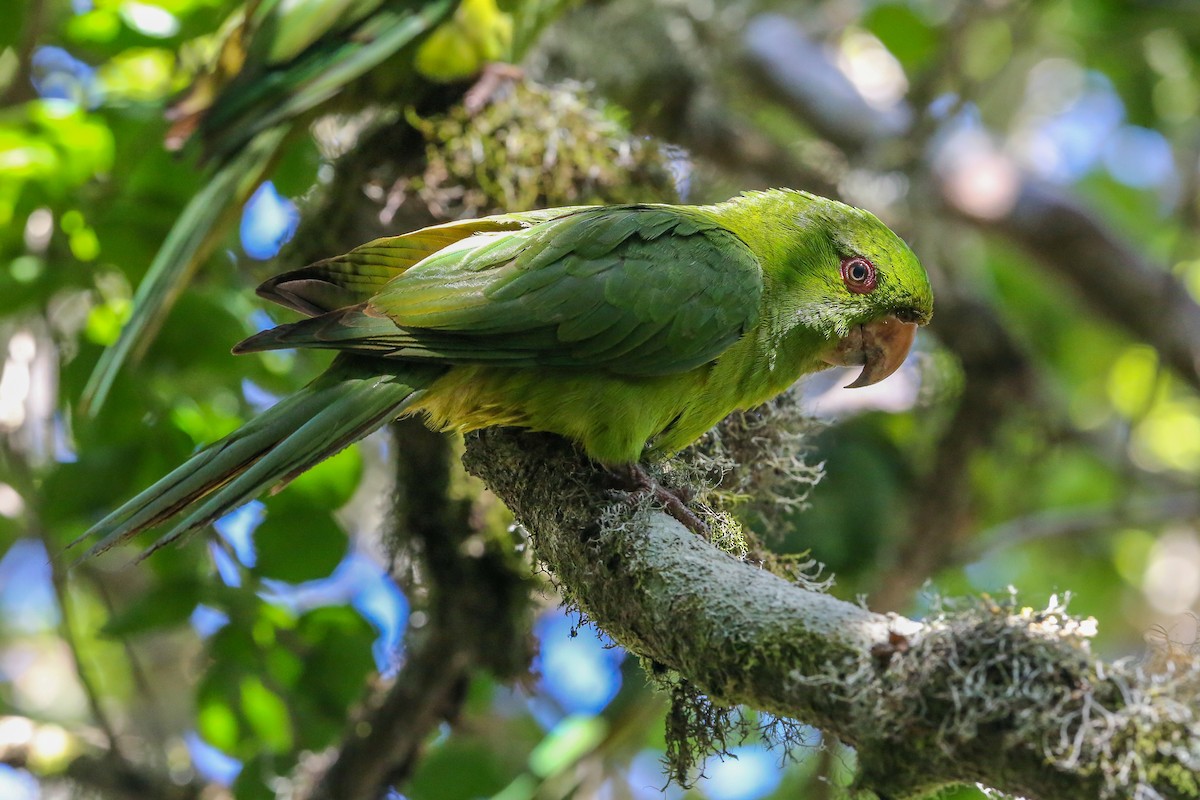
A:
(635, 481)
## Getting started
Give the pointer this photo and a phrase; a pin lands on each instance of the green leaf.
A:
(233, 648)
(571, 739)
(906, 36)
(331, 483)
(337, 645)
(337, 663)
(297, 542)
(164, 605)
(252, 781)
(459, 770)
(283, 667)
(267, 715)
(216, 718)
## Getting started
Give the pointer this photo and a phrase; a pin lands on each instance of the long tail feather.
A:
(347, 402)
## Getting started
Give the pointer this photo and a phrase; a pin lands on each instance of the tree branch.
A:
(382, 748)
(1009, 698)
(1112, 275)
(1059, 522)
(92, 769)
(798, 73)
(652, 60)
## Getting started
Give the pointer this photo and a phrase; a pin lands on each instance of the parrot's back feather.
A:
(344, 404)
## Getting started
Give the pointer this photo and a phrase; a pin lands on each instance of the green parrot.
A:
(630, 330)
(278, 65)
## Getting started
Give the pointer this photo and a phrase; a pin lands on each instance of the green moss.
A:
(991, 667)
(534, 146)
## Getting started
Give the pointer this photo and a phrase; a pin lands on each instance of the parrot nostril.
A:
(910, 315)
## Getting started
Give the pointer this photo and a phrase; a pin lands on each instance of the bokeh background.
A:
(1040, 157)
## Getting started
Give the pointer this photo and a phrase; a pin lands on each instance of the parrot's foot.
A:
(637, 482)
(494, 76)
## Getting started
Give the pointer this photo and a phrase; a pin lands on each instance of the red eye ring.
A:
(859, 275)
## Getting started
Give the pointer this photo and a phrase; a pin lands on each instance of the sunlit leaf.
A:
(141, 74)
(101, 25)
(215, 720)
(570, 740)
(267, 714)
(331, 483)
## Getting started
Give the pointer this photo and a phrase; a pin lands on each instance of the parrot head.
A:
(862, 289)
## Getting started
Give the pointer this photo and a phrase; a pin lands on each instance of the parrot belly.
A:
(611, 416)
(618, 419)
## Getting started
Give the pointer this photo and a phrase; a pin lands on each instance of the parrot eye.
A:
(859, 275)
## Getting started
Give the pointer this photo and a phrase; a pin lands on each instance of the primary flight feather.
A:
(630, 329)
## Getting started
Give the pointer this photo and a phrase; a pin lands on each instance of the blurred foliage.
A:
(246, 644)
(478, 32)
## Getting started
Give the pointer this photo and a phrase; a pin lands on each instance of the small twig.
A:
(67, 631)
(123, 781)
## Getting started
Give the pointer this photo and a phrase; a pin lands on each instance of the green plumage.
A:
(586, 289)
(629, 329)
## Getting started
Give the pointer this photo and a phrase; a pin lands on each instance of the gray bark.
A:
(992, 693)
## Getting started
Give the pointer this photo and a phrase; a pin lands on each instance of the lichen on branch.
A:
(989, 692)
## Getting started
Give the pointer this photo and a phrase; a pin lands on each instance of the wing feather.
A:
(635, 290)
(356, 276)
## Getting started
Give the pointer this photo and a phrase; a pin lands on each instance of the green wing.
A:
(636, 290)
(359, 275)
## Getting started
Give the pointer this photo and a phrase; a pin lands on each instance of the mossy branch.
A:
(991, 693)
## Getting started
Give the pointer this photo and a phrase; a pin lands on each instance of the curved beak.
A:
(879, 346)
